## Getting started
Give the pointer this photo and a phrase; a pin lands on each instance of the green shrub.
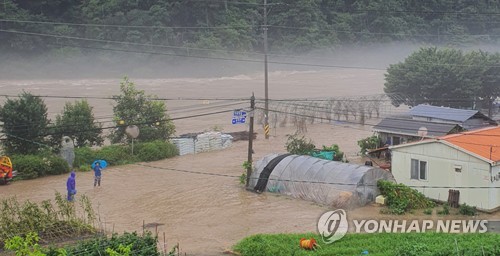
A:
(29, 166)
(445, 210)
(428, 211)
(339, 155)
(156, 150)
(467, 210)
(33, 166)
(140, 245)
(371, 142)
(47, 219)
(84, 156)
(84, 168)
(401, 198)
(56, 165)
(115, 155)
(299, 145)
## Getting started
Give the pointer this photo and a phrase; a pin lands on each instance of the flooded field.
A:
(206, 214)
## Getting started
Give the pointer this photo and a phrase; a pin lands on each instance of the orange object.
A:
(5, 169)
(308, 244)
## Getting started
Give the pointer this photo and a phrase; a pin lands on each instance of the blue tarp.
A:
(327, 155)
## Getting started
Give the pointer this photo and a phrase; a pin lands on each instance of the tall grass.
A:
(51, 221)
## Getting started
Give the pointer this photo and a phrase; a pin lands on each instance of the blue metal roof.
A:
(444, 113)
(411, 127)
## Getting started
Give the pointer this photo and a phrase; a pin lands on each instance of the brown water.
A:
(205, 214)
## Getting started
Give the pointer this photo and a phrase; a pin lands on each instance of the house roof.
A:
(483, 142)
(411, 127)
(451, 114)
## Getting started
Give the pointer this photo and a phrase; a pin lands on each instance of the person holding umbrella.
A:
(97, 173)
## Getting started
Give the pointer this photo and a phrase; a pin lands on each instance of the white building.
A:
(468, 162)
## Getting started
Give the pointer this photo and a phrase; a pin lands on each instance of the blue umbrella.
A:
(102, 163)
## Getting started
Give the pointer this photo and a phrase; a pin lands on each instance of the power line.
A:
(206, 49)
(27, 126)
(121, 26)
(382, 126)
(125, 43)
(226, 59)
(424, 12)
(236, 27)
(148, 122)
(300, 181)
(117, 97)
(373, 33)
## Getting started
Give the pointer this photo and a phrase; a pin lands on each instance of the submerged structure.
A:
(331, 183)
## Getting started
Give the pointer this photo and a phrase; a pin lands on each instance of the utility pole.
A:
(250, 140)
(266, 106)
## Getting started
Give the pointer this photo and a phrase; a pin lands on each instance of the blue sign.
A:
(239, 117)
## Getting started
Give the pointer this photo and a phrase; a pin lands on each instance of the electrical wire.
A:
(303, 181)
(120, 26)
(205, 49)
(186, 48)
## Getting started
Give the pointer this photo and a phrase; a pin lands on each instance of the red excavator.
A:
(6, 173)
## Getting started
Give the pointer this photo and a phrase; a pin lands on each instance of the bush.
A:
(428, 211)
(33, 166)
(84, 168)
(29, 166)
(84, 156)
(140, 245)
(339, 155)
(299, 145)
(467, 210)
(115, 155)
(401, 198)
(56, 165)
(46, 218)
(445, 210)
(371, 142)
(156, 150)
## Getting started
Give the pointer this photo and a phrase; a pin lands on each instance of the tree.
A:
(490, 80)
(446, 77)
(77, 121)
(443, 77)
(24, 124)
(134, 107)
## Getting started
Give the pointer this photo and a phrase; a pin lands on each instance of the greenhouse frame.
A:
(331, 183)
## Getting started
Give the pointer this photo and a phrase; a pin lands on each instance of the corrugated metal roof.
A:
(483, 142)
(452, 114)
(411, 127)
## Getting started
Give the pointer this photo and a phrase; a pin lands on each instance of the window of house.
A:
(396, 140)
(418, 170)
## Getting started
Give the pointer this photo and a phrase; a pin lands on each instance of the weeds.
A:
(49, 221)
(401, 198)
(467, 210)
(445, 210)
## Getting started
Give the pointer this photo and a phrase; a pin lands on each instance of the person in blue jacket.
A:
(71, 186)
(97, 174)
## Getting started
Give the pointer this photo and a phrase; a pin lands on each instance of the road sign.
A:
(239, 117)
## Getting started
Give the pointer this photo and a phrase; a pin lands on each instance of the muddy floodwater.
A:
(205, 214)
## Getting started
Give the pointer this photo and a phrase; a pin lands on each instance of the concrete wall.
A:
(442, 161)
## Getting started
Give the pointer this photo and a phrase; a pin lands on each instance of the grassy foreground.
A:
(375, 244)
